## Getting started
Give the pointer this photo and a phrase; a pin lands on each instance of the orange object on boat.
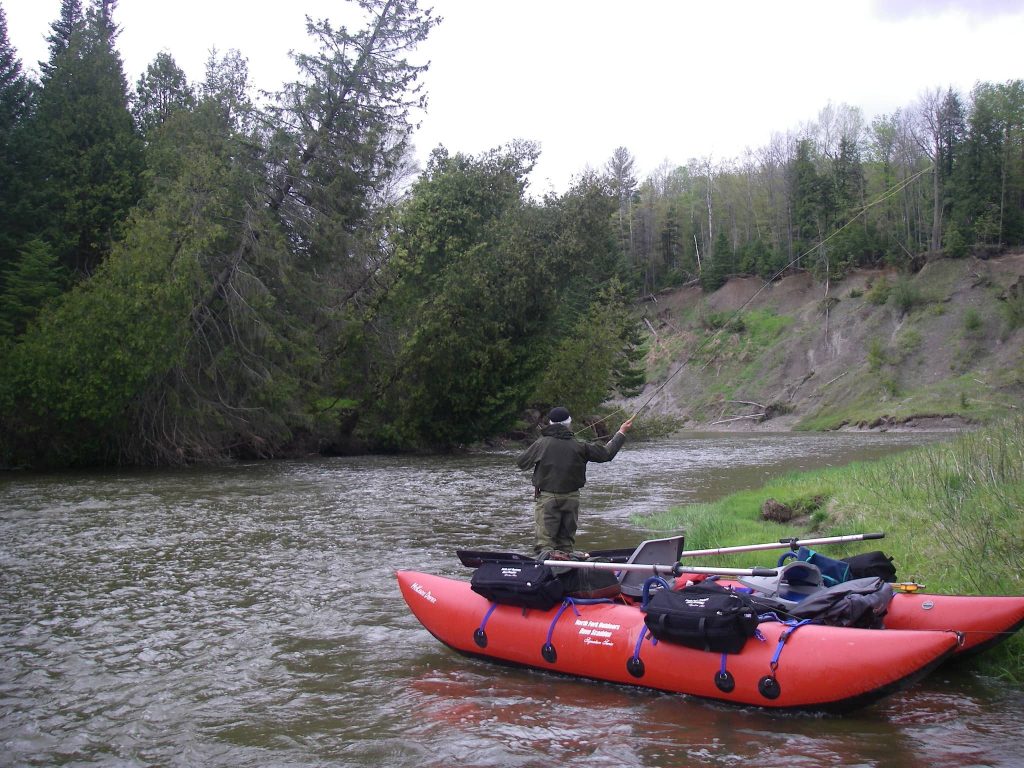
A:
(810, 667)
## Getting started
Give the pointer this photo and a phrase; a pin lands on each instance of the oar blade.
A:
(474, 558)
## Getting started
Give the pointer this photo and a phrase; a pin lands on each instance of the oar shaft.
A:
(782, 544)
(654, 570)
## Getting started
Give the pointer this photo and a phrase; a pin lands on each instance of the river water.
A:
(248, 615)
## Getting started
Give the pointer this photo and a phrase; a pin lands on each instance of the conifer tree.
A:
(14, 87)
(71, 22)
(86, 152)
(14, 105)
(33, 279)
(161, 91)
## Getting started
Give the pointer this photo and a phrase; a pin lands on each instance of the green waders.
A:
(555, 516)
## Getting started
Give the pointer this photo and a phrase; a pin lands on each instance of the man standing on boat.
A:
(559, 463)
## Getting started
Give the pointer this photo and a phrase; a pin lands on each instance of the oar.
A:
(671, 570)
(474, 558)
(782, 544)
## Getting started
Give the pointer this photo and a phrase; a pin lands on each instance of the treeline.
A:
(188, 273)
(945, 176)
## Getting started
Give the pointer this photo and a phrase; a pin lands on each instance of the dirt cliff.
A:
(938, 348)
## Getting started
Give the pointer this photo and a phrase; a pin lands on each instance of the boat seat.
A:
(665, 551)
(794, 582)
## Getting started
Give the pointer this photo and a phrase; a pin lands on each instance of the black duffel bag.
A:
(525, 584)
(877, 564)
(703, 616)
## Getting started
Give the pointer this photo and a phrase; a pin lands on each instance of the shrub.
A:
(908, 342)
(876, 355)
(905, 296)
(878, 294)
(972, 320)
(954, 244)
(730, 321)
(1013, 309)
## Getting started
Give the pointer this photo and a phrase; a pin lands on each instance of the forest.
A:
(191, 272)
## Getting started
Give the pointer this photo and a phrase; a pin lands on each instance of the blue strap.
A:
(567, 603)
(640, 640)
(572, 602)
(651, 581)
(782, 641)
(483, 624)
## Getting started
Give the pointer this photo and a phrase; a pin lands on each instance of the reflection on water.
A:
(248, 615)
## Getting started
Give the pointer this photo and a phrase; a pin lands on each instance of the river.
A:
(247, 615)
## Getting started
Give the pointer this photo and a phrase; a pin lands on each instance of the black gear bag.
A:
(526, 584)
(876, 564)
(703, 616)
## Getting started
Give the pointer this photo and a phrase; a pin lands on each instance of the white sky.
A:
(668, 79)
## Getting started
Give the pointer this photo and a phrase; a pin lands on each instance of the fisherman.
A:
(559, 463)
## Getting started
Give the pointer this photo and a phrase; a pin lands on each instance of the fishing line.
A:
(885, 196)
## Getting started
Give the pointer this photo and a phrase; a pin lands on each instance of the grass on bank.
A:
(966, 396)
(952, 514)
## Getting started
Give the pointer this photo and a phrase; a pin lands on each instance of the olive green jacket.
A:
(559, 460)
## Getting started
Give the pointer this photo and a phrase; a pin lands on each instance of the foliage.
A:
(33, 279)
(196, 340)
(878, 293)
(15, 104)
(457, 306)
(85, 158)
(905, 296)
(161, 91)
(718, 267)
(972, 321)
(1012, 309)
(494, 302)
(837, 194)
(730, 321)
(584, 368)
(302, 291)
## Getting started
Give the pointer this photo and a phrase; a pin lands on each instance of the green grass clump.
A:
(1013, 310)
(952, 512)
(905, 295)
(878, 293)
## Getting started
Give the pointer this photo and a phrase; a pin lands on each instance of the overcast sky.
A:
(668, 79)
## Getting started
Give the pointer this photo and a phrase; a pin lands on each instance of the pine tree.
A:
(34, 279)
(87, 154)
(161, 91)
(14, 88)
(70, 23)
(623, 186)
(14, 105)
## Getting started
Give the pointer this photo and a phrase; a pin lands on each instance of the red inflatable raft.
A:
(817, 667)
(981, 620)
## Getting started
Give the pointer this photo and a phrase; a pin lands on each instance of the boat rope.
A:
(863, 210)
(769, 684)
(793, 627)
(724, 680)
(480, 634)
(548, 650)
